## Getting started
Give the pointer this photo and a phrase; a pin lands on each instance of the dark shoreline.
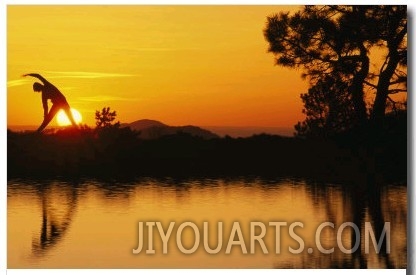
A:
(117, 153)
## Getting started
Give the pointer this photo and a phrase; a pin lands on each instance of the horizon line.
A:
(233, 131)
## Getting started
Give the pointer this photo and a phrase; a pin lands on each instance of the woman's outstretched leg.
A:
(52, 112)
(68, 113)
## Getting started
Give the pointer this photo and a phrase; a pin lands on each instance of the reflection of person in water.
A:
(49, 91)
(58, 203)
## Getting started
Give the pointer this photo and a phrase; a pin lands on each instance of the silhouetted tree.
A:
(105, 118)
(327, 108)
(334, 42)
(392, 77)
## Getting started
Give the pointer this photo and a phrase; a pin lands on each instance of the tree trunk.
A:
(380, 102)
(383, 85)
(357, 93)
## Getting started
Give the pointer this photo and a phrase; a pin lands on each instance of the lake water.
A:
(94, 224)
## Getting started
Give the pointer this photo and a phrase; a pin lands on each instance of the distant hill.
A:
(142, 124)
(151, 129)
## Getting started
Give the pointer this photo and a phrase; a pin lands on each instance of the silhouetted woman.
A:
(49, 91)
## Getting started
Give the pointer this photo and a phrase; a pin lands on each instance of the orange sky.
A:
(200, 65)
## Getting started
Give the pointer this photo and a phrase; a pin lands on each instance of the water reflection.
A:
(93, 224)
(58, 203)
(360, 204)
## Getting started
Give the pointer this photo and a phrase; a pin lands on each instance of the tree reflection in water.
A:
(372, 202)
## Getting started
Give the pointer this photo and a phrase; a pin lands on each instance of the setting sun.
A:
(63, 120)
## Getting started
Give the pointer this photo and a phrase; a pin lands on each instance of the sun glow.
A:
(63, 120)
(140, 69)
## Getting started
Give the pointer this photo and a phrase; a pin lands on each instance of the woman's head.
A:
(37, 87)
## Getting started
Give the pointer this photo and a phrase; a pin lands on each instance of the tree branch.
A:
(395, 91)
(370, 84)
(399, 80)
